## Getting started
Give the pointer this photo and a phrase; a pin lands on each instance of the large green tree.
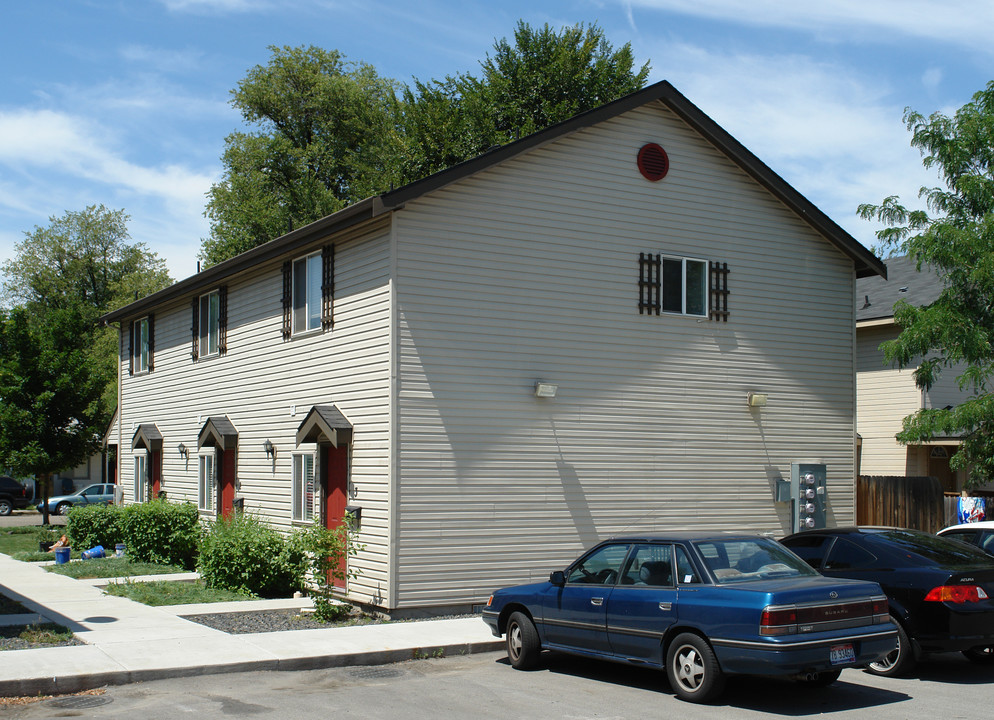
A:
(326, 137)
(544, 77)
(51, 414)
(331, 132)
(84, 260)
(955, 237)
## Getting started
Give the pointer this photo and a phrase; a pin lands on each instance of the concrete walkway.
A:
(129, 642)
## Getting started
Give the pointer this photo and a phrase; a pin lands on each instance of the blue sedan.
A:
(700, 605)
(99, 494)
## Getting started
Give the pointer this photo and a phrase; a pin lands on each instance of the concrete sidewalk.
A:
(129, 642)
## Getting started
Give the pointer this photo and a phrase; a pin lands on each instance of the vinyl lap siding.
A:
(529, 271)
(266, 387)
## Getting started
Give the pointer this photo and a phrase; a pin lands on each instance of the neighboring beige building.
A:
(513, 359)
(886, 394)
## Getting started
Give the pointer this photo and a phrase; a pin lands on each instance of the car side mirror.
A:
(557, 577)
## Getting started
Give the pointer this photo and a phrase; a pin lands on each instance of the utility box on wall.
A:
(809, 493)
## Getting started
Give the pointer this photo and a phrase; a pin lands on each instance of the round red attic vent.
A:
(653, 162)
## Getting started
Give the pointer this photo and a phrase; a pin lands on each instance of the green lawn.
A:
(19, 539)
(160, 592)
(111, 567)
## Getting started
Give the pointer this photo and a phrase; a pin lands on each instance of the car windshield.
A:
(923, 549)
(743, 559)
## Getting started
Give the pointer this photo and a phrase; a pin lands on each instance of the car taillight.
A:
(956, 594)
(778, 621)
(881, 610)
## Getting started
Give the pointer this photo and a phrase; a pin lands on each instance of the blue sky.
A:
(125, 102)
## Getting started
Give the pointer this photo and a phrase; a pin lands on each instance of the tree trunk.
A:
(43, 479)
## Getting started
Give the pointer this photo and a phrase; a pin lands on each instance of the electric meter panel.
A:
(808, 489)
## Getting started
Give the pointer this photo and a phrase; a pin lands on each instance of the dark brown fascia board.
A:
(866, 263)
(214, 275)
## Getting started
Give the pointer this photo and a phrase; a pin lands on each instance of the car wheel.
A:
(62, 508)
(980, 655)
(523, 646)
(6, 508)
(898, 661)
(693, 670)
(821, 679)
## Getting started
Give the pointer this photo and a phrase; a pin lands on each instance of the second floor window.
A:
(210, 314)
(140, 360)
(307, 293)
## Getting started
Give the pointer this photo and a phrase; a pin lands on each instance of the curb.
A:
(88, 681)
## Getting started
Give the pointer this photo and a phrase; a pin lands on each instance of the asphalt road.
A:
(485, 686)
(29, 517)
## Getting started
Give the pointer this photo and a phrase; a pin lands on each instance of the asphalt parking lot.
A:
(29, 517)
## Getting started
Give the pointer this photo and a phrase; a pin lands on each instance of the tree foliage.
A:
(326, 137)
(84, 260)
(955, 238)
(329, 132)
(51, 414)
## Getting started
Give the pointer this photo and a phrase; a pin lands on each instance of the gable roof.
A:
(875, 296)
(866, 263)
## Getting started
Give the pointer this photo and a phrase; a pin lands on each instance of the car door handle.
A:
(596, 601)
(665, 606)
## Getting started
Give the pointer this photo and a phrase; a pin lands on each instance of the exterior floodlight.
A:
(757, 399)
(545, 390)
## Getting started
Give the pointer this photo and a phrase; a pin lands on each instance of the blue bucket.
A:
(62, 555)
(97, 551)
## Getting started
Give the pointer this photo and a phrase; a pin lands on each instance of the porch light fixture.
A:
(545, 390)
(268, 447)
(757, 399)
(183, 451)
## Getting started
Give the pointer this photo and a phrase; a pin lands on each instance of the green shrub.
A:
(243, 554)
(328, 552)
(90, 525)
(154, 532)
(162, 532)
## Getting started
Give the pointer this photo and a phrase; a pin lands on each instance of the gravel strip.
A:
(260, 621)
(9, 640)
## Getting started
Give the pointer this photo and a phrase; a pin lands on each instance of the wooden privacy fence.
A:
(911, 502)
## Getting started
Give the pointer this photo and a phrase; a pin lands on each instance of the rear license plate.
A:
(841, 654)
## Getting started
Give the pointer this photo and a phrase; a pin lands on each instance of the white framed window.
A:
(307, 293)
(140, 488)
(207, 479)
(685, 286)
(142, 347)
(210, 327)
(303, 487)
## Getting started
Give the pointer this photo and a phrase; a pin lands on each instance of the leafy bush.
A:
(162, 532)
(155, 532)
(243, 554)
(90, 525)
(328, 551)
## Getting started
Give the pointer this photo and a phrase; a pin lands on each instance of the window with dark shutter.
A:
(195, 329)
(649, 283)
(719, 292)
(287, 300)
(131, 348)
(327, 287)
(222, 320)
(151, 342)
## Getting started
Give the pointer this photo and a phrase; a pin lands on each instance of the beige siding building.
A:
(637, 262)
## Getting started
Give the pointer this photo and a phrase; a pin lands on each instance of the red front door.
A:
(335, 479)
(226, 498)
(156, 472)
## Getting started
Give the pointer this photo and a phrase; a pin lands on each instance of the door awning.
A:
(324, 424)
(147, 436)
(218, 432)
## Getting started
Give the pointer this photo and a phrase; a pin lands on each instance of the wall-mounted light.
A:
(757, 399)
(268, 447)
(545, 390)
(183, 451)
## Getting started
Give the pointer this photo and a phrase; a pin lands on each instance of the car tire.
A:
(821, 679)
(62, 508)
(6, 507)
(693, 669)
(899, 661)
(523, 645)
(983, 655)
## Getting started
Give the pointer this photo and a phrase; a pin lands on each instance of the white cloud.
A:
(965, 23)
(216, 6)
